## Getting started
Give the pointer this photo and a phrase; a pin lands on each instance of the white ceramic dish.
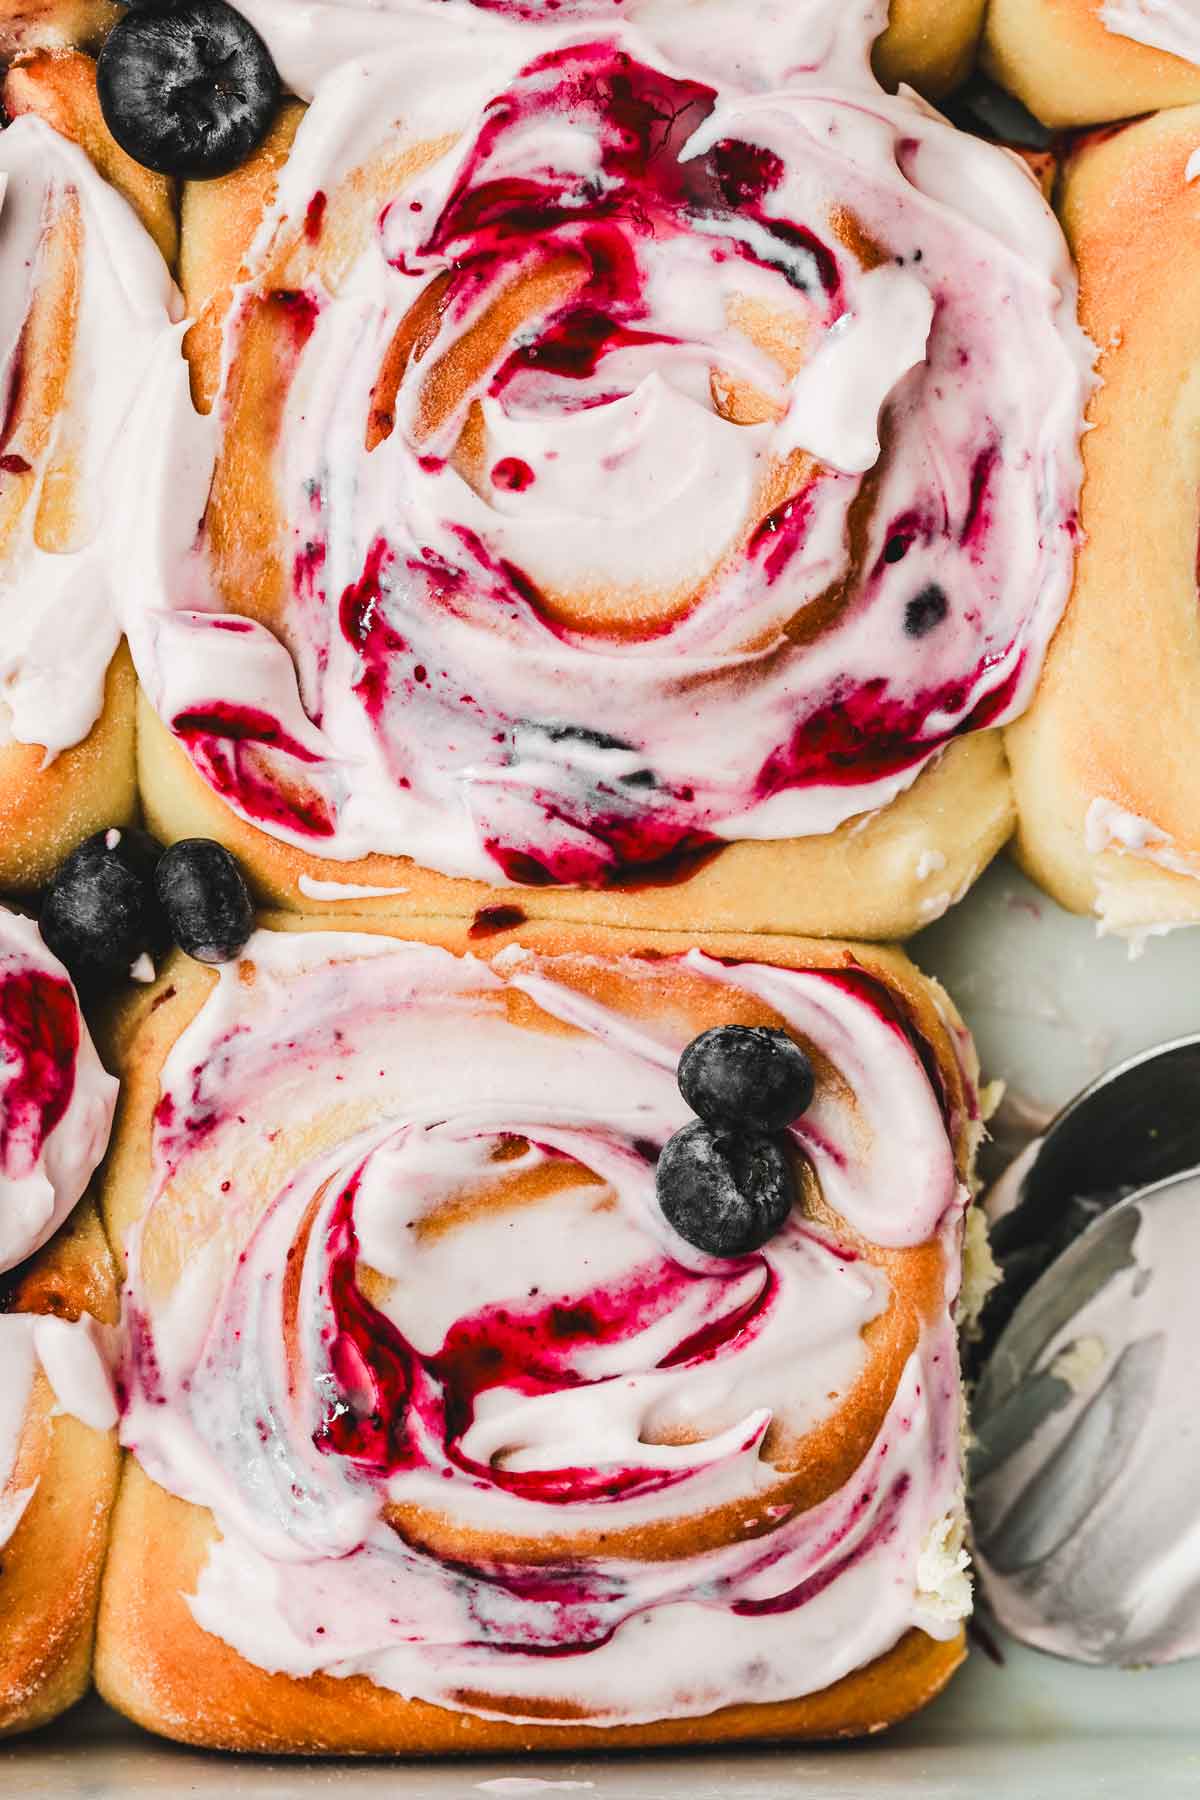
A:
(1051, 1006)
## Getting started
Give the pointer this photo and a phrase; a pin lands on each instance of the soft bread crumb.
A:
(944, 1571)
(980, 1270)
(990, 1096)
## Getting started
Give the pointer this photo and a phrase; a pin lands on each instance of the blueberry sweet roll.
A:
(619, 487)
(540, 1340)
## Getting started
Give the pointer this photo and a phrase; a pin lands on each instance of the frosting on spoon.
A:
(671, 462)
(426, 1321)
(56, 1100)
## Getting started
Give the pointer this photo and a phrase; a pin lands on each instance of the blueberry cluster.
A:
(726, 1183)
(120, 897)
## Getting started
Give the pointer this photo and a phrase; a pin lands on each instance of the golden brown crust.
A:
(931, 44)
(216, 222)
(150, 1648)
(50, 1568)
(46, 809)
(1061, 60)
(864, 880)
(1121, 688)
(155, 1664)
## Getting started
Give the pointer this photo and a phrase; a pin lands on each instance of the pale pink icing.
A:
(420, 700)
(519, 1372)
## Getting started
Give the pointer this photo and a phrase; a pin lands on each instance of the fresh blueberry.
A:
(746, 1075)
(206, 900)
(925, 612)
(187, 87)
(725, 1192)
(100, 912)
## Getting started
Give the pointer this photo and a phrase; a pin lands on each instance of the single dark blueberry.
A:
(746, 1075)
(725, 1192)
(896, 548)
(206, 900)
(187, 87)
(100, 912)
(925, 612)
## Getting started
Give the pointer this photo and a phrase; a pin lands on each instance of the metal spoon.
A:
(1086, 1469)
(1134, 1126)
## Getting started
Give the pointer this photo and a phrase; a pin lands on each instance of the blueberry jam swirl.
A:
(56, 1101)
(472, 1421)
(657, 465)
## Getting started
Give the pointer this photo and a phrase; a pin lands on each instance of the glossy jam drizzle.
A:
(674, 464)
(462, 1330)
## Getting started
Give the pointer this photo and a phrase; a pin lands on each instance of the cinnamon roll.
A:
(84, 291)
(58, 1449)
(621, 488)
(1103, 764)
(441, 1437)
(1084, 62)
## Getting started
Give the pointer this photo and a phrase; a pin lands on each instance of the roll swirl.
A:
(403, 1314)
(609, 464)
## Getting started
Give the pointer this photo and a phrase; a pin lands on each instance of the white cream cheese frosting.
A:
(56, 583)
(421, 696)
(1171, 25)
(56, 1098)
(758, 43)
(1126, 905)
(1108, 826)
(71, 1356)
(342, 1345)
